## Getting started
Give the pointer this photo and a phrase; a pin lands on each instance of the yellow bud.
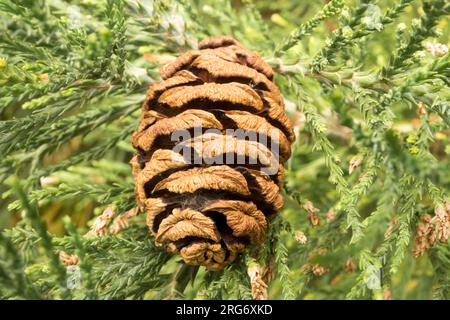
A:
(3, 63)
(440, 136)
(414, 150)
(279, 20)
(411, 139)
(44, 77)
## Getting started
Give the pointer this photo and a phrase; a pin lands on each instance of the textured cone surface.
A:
(205, 210)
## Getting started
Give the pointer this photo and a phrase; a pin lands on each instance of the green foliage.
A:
(364, 82)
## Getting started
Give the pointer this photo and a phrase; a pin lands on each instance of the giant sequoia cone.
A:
(209, 211)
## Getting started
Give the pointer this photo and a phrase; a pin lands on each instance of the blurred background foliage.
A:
(366, 83)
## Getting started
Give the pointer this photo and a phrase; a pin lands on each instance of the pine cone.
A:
(206, 211)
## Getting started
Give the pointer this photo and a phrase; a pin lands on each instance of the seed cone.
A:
(205, 210)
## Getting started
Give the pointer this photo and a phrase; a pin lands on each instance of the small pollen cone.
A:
(259, 287)
(67, 259)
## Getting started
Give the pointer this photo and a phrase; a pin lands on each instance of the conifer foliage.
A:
(366, 210)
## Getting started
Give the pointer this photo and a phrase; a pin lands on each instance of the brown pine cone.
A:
(208, 211)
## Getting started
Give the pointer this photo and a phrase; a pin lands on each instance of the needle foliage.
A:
(366, 83)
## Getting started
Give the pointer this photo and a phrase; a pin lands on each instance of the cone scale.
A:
(209, 211)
